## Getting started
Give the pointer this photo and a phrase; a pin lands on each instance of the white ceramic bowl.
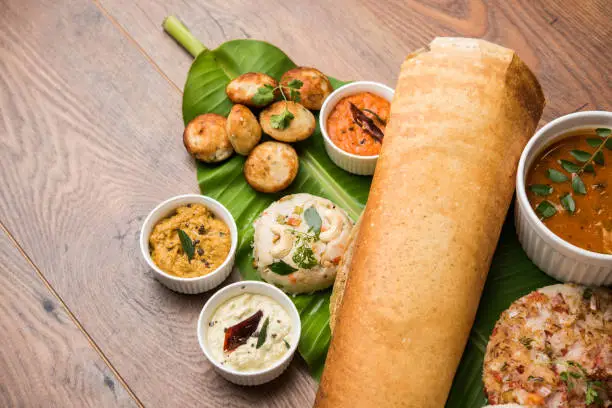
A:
(353, 163)
(556, 257)
(260, 288)
(201, 283)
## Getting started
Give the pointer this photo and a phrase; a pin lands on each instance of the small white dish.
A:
(201, 283)
(260, 288)
(353, 163)
(553, 255)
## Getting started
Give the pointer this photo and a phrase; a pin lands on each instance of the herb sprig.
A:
(587, 162)
(576, 372)
(265, 95)
(303, 256)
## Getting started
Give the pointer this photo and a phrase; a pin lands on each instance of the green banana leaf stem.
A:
(183, 36)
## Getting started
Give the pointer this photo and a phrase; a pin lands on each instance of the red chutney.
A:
(346, 134)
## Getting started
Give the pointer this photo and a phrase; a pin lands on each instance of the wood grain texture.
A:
(90, 125)
(566, 43)
(45, 360)
(90, 143)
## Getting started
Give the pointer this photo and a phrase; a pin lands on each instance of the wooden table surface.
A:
(90, 141)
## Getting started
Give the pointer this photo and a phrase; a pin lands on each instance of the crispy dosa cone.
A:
(463, 111)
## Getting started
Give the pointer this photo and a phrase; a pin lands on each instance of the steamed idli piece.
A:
(206, 139)
(299, 241)
(242, 89)
(315, 86)
(300, 127)
(552, 348)
(271, 167)
(242, 129)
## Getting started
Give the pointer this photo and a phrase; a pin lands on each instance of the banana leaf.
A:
(511, 276)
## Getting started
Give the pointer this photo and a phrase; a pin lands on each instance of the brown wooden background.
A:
(90, 141)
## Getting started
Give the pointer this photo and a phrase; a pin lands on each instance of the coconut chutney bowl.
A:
(249, 331)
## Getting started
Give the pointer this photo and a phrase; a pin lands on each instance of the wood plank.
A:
(564, 42)
(342, 38)
(90, 143)
(45, 359)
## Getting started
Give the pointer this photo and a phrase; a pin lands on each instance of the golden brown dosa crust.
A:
(342, 275)
(462, 113)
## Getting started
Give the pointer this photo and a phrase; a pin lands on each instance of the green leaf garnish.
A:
(375, 115)
(594, 142)
(282, 120)
(578, 185)
(569, 166)
(263, 333)
(603, 132)
(312, 217)
(281, 268)
(567, 201)
(592, 396)
(287, 344)
(295, 84)
(581, 155)
(589, 168)
(556, 176)
(546, 209)
(587, 294)
(304, 257)
(186, 243)
(541, 189)
(264, 95)
(526, 341)
(599, 158)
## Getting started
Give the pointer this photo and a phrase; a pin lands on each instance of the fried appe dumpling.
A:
(315, 86)
(242, 129)
(300, 127)
(271, 167)
(205, 138)
(242, 89)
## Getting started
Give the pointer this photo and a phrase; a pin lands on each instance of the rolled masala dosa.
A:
(462, 113)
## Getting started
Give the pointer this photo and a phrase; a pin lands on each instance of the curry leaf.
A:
(567, 201)
(599, 158)
(556, 176)
(569, 166)
(581, 155)
(375, 115)
(282, 268)
(594, 142)
(546, 209)
(541, 189)
(186, 243)
(312, 217)
(578, 185)
(603, 132)
(263, 333)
